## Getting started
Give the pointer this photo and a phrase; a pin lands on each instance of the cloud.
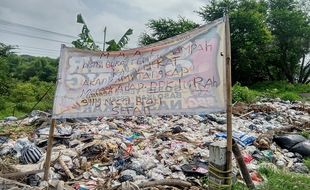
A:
(60, 16)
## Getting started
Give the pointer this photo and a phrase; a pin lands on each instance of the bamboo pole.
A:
(228, 96)
(49, 150)
(244, 170)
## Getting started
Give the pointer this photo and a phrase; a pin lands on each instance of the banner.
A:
(180, 75)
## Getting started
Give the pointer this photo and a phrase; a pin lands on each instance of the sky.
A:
(56, 21)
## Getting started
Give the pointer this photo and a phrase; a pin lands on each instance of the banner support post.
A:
(228, 98)
(49, 150)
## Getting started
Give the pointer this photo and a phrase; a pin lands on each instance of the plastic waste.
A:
(20, 144)
(99, 167)
(124, 178)
(247, 158)
(7, 148)
(302, 148)
(10, 118)
(3, 139)
(133, 137)
(288, 141)
(299, 168)
(33, 180)
(195, 168)
(241, 138)
(268, 154)
(176, 129)
(30, 154)
(256, 177)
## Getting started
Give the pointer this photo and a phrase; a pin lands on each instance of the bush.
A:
(26, 94)
(291, 96)
(281, 89)
(243, 94)
(307, 162)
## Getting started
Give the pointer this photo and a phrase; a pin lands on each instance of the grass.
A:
(273, 89)
(279, 180)
(305, 133)
(244, 94)
(10, 108)
(282, 89)
(15, 131)
(307, 162)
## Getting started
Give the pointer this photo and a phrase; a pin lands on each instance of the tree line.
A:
(270, 38)
(24, 80)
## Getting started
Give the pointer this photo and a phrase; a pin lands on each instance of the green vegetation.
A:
(270, 89)
(117, 46)
(270, 39)
(243, 94)
(280, 179)
(281, 89)
(165, 28)
(307, 162)
(305, 133)
(86, 41)
(23, 82)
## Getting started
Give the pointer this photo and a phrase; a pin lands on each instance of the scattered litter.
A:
(145, 151)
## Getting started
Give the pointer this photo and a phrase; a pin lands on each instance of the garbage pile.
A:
(155, 152)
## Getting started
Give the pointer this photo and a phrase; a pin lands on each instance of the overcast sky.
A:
(60, 16)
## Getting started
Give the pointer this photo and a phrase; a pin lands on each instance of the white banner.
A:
(181, 75)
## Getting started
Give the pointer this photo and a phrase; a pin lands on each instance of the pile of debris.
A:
(153, 152)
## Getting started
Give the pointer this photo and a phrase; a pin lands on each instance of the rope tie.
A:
(129, 186)
(215, 171)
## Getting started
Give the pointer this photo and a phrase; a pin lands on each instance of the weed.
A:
(281, 89)
(305, 133)
(279, 180)
(291, 96)
(243, 94)
(307, 162)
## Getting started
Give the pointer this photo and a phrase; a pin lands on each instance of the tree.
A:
(304, 72)
(165, 28)
(113, 46)
(25, 67)
(23, 95)
(250, 37)
(5, 80)
(4, 77)
(215, 9)
(270, 39)
(86, 41)
(6, 50)
(290, 27)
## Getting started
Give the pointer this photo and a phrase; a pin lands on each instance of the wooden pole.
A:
(104, 37)
(49, 150)
(244, 170)
(228, 96)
